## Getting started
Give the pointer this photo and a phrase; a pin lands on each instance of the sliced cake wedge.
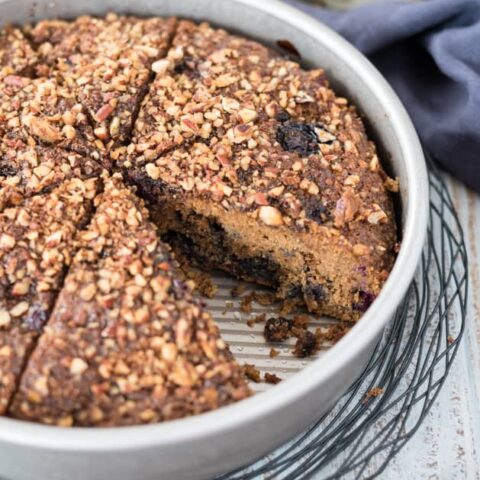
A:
(36, 247)
(127, 342)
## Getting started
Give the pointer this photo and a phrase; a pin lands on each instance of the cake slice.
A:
(212, 82)
(127, 342)
(254, 165)
(300, 206)
(36, 246)
(107, 61)
(16, 54)
(27, 170)
(45, 112)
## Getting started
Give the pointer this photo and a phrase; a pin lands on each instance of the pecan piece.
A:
(43, 129)
(103, 112)
(346, 208)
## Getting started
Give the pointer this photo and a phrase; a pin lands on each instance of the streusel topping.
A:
(46, 112)
(106, 62)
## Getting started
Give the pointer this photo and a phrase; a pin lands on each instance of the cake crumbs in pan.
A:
(272, 378)
(252, 373)
(306, 344)
(277, 329)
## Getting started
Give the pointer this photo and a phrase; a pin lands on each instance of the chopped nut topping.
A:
(359, 249)
(346, 208)
(19, 309)
(78, 366)
(161, 66)
(247, 115)
(4, 318)
(43, 130)
(7, 241)
(377, 217)
(270, 216)
(152, 171)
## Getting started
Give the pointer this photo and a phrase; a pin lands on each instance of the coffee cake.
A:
(245, 161)
(278, 182)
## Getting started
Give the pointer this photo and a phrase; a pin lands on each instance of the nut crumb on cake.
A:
(306, 344)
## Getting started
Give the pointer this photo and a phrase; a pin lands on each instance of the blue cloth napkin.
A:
(429, 51)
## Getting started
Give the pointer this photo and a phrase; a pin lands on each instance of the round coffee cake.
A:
(122, 139)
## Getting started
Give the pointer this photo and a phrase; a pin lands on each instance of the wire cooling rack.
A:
(385, 407)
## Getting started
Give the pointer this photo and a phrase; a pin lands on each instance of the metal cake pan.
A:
(203, 446)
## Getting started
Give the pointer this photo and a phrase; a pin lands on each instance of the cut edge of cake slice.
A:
(302, 207)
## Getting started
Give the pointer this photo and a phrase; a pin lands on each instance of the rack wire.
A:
(385, 407)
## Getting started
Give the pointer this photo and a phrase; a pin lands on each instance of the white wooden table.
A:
(447, 446)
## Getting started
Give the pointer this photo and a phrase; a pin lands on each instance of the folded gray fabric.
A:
(430, 53)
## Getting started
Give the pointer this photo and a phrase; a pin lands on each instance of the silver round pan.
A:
(208, 444)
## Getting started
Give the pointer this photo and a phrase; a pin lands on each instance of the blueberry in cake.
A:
(123, 138)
